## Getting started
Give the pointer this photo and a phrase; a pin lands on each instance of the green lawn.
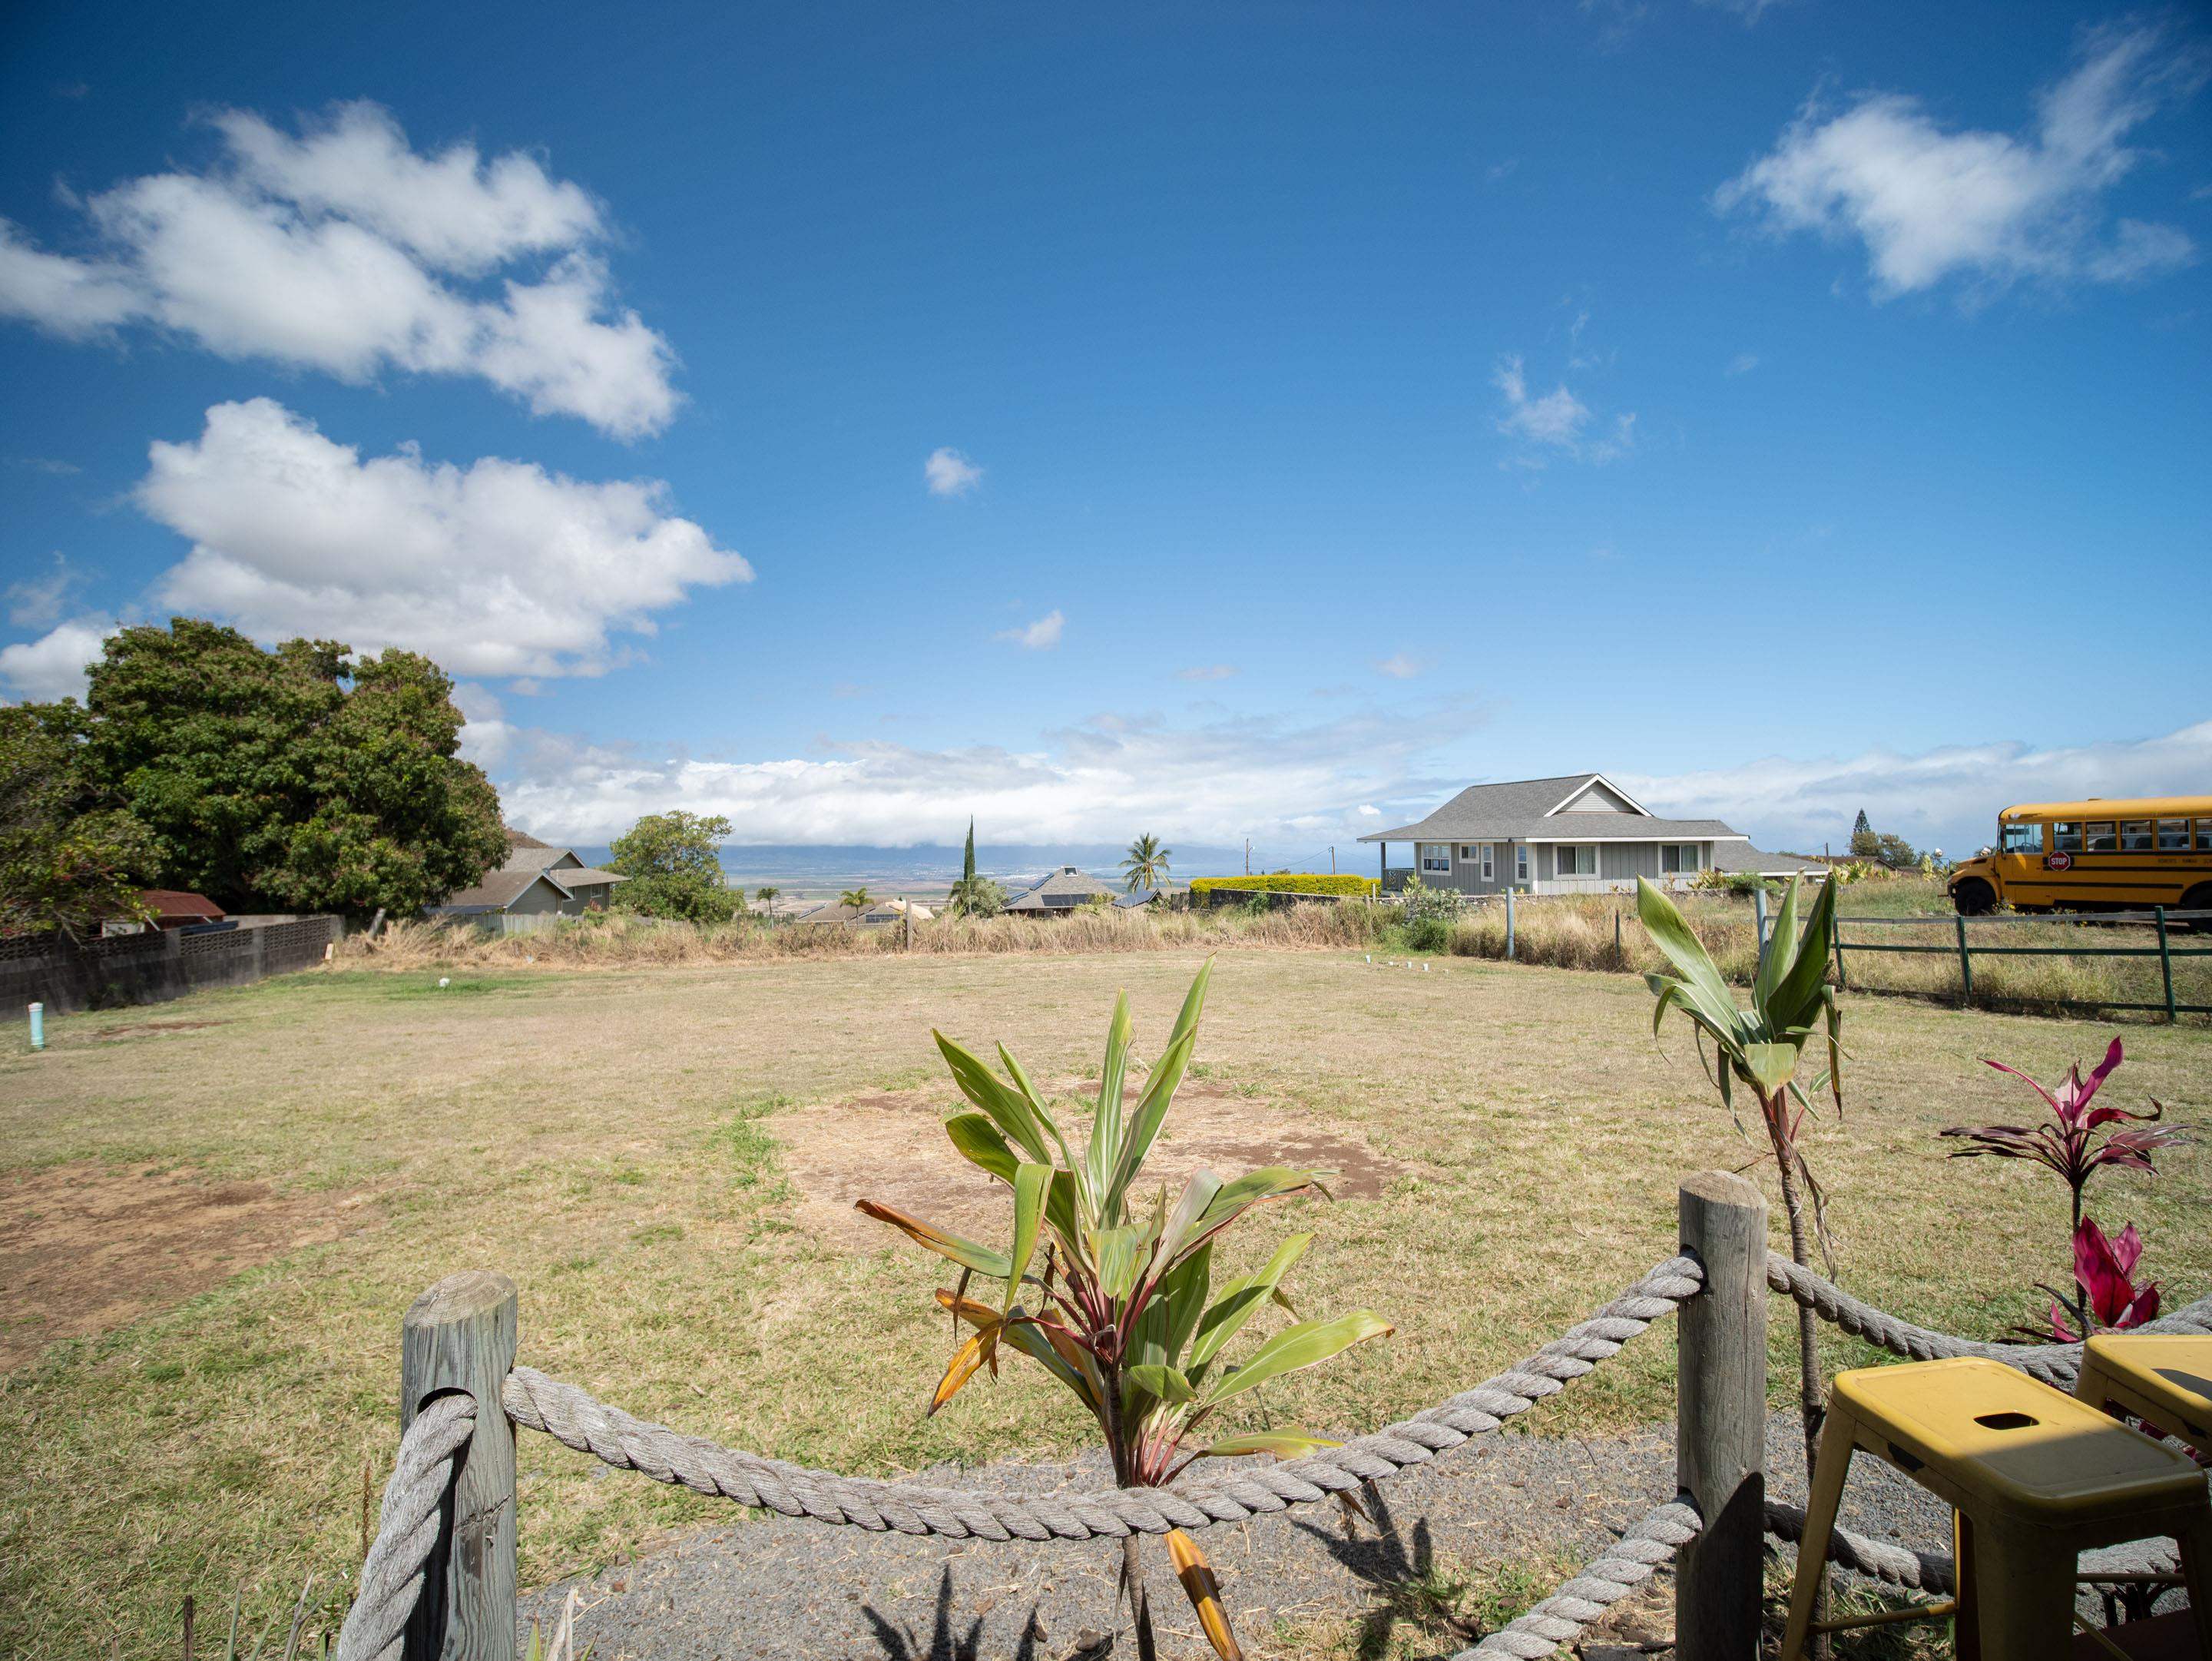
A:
(654, 1156)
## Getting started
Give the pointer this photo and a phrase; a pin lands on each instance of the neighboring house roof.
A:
(1142, 897)
(496, 892)
(528, 854)
(171, 905)
(523, 839)
(1743, 858)
(1068, 886)
(1537, 810)
(836, 911)
(583, 876)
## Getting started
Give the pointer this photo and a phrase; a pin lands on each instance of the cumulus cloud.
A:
(1039, 636)
(1400, 666)
(498, 568)
(1214, 782)
(344, 249)
(949, 474)
(52, 666)
(1946, 798)
(1929, 203)
(36, 602)
(1558, 421)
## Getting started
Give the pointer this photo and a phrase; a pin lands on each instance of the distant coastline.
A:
(801, 870)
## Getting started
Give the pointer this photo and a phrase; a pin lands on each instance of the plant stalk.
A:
(1133, 1566)
(1810, 1401)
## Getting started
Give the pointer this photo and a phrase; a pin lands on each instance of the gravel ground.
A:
(781, 1590)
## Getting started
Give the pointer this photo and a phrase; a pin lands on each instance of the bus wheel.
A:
(2199, 898)
(1974, 897)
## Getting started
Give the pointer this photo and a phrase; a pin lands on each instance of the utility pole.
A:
(1247, 856)
(1332, 858)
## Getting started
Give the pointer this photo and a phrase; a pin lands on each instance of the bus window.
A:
(2204, 835)
(2019, 838)
(2101, 839)
(2173, 835)
(2066, 837)
(2135, 836)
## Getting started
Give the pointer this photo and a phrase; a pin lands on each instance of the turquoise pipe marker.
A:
(38, 1026)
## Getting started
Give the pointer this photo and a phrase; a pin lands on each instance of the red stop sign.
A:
(2059, 862)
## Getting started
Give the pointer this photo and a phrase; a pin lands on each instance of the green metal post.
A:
(1966, 964)
(2166, 965)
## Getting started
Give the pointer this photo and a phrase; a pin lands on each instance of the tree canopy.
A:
(70, 857)
(297, 779)
(675, 869)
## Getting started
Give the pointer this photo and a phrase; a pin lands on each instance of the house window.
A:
(1521, 861)
(1576, 860)
(1677, 857)
(1466, 853)
(1436, 856)
(1490, 862)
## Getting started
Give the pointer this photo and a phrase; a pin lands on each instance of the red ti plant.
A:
(2104, 1269)
(2071, 1148)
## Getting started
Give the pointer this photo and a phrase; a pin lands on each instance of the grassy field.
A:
(215, 1212)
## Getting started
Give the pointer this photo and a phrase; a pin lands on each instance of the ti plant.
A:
(1759, 1048)
(2069, 1146)
(1110, 1288)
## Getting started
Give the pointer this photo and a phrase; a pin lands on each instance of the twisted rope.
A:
(1632, 1559)
(572, 1416)
(408, 1529)
(2054, 1364)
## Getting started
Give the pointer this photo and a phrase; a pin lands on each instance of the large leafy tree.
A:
(300, 779)
(674, 866)
(70, 856)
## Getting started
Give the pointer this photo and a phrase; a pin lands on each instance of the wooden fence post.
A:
(459, 1337)
(1966, 964)
(1720, 1425)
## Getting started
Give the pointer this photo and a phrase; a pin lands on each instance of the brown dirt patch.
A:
(88, 1247)
(890, 1147)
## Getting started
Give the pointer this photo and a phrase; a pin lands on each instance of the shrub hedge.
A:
(1292, 882)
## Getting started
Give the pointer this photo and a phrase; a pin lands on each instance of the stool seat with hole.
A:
(2035, 1477)
(2163, 1379)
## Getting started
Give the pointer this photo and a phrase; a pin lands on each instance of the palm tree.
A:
(858, 899)
(1146, 865)
(766, 894)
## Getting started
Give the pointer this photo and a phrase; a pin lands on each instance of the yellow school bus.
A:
(2093, 855)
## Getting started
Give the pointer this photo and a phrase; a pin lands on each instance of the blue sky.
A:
(1239, 420)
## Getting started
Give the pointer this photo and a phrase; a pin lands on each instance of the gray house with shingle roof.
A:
(1066, 890)
(1578, 834)
(535, 882)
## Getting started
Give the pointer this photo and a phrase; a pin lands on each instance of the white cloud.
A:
(1742, 363)
(949, 474)
(1557, 420)
(1368, 810)
(498, 567)
(1947, 798)
(1038, 636)
(344, 249)
(1206, 671)
(1930, 204)
(1216, 783)
(52, 666)
(37, 602)
(1400, 666)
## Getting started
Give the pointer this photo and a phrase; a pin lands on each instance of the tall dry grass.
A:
(625, 942)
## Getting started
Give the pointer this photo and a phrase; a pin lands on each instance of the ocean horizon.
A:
(805, 868)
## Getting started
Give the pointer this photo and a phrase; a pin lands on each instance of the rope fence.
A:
(414, 1521)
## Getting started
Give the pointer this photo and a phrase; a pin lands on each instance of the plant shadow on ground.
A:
(903, 1643)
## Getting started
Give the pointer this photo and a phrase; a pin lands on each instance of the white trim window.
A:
(1575, 859)
(1680, 858)
(1490, 861)
(1435, 857)
(1520, 861)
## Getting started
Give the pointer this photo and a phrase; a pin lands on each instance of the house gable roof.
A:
(497, 892)
(1537, 810)
(1066, 884)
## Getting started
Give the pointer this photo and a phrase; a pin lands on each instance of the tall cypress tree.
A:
(967, 860)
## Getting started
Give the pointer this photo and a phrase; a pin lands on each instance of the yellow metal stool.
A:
(2035, 1477)
(2162, 1379)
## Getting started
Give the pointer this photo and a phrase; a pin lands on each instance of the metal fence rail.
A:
(2158, 918)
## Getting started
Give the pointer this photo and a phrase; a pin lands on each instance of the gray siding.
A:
(1597, 799)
